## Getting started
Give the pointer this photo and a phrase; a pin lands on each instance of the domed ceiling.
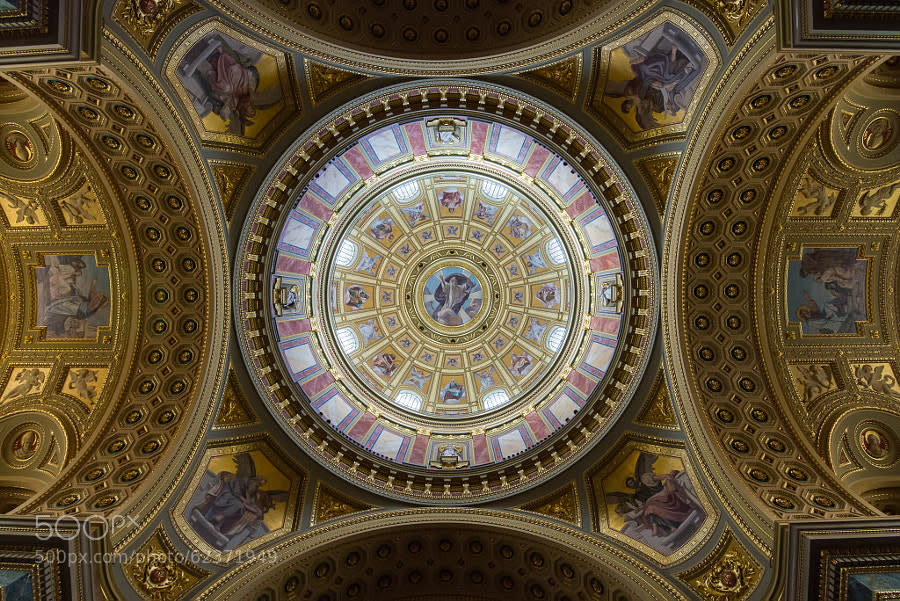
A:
(444, 300)
(449, 293)
(394, 35)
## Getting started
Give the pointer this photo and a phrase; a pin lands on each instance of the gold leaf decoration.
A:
(729, 573)
(230, 178)
(657, 410)
(560, 505)
(154, 572)
(149, 22)
(234, 410)
(324, 80)
(659, 172)
(562, 77)
(329, 505)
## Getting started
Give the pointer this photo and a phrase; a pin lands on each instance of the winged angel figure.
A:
(228, 508)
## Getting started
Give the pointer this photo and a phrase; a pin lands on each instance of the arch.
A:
(317, 558)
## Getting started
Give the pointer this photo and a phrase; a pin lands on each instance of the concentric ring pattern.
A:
(446, 294)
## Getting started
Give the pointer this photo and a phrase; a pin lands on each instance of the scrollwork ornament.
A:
(156, 572)
(737, 12)
(730, 577)
(145, 16)
(729, 573)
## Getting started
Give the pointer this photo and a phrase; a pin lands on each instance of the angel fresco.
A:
(385, 364)
(486, 213)
(519, 227)
(355, 296)
(26, 210)
(382, 228)
(520, 364)
(25, 381)
(228, 507)
(452, 393)
(548, 295)
(875, 202)
(415, 213)
(450, 199)
(660, 510)
(221, 76)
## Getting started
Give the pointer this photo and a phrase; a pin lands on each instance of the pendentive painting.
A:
(649, 82)
(73, 296)
(826, 291)
(645, 495)
(243, 495)
(237, 91)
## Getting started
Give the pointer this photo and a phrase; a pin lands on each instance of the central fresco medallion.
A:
(451, 293)
(442, 305)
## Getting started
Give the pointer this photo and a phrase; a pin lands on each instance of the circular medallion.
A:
(456, 293)
(443, 295)
(874, 443)
(452, 297)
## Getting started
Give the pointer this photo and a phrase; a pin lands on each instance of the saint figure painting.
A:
(650, 499)
(233, 506)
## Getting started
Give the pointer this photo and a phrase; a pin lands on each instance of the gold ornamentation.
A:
(154, 571)
(560, 505)
(324, 80)
(330, 505)
(562, 77)
(738, 12)
(230, 178)
(82, 207)
(813, 198)
(729, 573)
(876, 377)
(659, 172)
(85, 383)
(150, 21)
(657, 410)
(877, 202)
(812, 381)
(25, 381)
(22, 212)
(234, 410)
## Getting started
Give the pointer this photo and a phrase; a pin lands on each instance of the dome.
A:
(449, 292)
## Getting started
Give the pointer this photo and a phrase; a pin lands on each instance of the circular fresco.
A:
(439, 295)
(451, 293)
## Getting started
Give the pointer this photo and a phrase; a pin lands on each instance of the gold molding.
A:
(728, 573)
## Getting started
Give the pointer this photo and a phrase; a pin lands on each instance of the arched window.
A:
(348, 340)
(495, 398)
(555, 338)
(409, 399)
(492, 189)
(345, 254)
(555, 252)
(406, 190)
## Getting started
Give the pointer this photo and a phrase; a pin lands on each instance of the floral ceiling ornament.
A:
(729, 573)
